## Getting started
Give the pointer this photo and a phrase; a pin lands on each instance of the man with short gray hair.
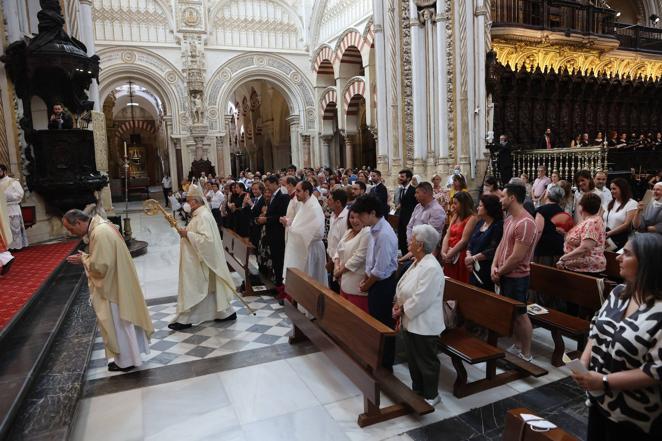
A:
(115, 291)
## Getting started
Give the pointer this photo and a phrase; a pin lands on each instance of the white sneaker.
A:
(523, 357)
(514, 349)
(434, 401)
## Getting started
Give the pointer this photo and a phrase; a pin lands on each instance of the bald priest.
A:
(117, 298)
(206, 287)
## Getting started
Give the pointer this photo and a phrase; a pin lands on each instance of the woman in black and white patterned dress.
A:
(624, 352)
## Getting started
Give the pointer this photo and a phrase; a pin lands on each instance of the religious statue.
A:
(197, 109)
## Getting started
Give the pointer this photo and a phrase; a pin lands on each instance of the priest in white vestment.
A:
(206, 287)
(13, 193)
(293, 206)
(304, 248)
(115, 292)
(6, 258)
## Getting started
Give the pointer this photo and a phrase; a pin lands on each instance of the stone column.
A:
(178, 156)
(86, 27)
(101, 156)
(220, 158)
(305, 146)
(382, 62)
(294, 139)
(326, 149)
(421, 90)
(349, 150)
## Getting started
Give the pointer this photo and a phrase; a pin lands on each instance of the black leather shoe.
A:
(227, 319)
(179, 326)
(113, 367)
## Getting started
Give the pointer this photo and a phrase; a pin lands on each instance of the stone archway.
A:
(285, 77)
(120, 65)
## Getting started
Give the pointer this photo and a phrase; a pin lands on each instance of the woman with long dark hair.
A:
(454, 246)
(619, 213)
(484, 241)
(624, 352)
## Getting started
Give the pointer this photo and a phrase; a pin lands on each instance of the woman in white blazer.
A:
(418, 304)
(349, 261)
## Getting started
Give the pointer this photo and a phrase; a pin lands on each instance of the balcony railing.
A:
(566, 161)
(554, 15)
(639, 38)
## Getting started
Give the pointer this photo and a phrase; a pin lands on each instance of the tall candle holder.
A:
(127, 221)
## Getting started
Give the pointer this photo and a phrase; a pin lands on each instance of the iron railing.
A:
(639, 38)
(556, 15)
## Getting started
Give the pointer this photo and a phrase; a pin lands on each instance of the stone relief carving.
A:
(407, 91)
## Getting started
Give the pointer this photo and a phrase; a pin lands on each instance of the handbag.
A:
(451, 319)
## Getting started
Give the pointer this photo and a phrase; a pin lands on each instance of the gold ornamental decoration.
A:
(582, 61)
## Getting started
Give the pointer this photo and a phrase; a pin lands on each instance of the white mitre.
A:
(196, 191)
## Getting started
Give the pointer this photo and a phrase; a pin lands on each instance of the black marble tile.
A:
(49, 406)
(266, 339)
(200, 351)
(452, 429)
(161, 300)
(562, 402)
(162, 345)
(196, 339)
(182, 371)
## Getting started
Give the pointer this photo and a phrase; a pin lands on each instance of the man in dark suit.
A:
(379, 190)
(407, 204)
(254, 208)
(60, 119)
(547, 142)
(504, 158)
(275, 231)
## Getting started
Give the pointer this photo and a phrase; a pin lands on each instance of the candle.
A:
(125, 155)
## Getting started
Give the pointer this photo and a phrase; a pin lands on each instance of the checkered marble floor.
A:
(211, 339)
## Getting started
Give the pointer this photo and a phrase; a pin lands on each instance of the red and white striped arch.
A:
(355, 86)
(350, 38)
(329, 96)
(324, 53)
(130, 126)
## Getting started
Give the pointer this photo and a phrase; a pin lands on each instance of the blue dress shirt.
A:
(382, 257)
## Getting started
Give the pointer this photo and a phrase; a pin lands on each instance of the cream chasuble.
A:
(5, 230)
(206, 287)
(304, 248)
(115, 290)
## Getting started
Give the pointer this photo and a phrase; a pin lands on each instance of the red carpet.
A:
(31, 268)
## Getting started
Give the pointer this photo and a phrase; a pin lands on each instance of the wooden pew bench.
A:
(571, 287)
(512, 430)
(354, 342)
(496, 314)
(237, 254)
(613, 273)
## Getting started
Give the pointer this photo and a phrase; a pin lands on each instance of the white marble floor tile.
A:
(305, 425)
(216, 424)
(110, 417)
(172, 404)
(326, 382)
(266, 390)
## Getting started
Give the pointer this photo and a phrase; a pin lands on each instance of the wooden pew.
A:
(237, 254)
(495, 313)
(512, 430)
(571, 287)
(354, 342)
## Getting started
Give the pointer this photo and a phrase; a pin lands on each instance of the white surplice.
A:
(304, 248)
(13, 192)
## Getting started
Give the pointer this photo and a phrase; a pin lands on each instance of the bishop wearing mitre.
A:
(117, 298)
(304, 248)
(206, 287)
(6, 258)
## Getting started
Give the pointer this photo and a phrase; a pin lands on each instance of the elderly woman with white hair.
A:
(418, 306)
(649, 217)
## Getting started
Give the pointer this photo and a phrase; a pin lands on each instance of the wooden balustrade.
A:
(566, 161)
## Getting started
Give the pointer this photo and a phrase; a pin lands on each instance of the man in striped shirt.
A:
(511, 265)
